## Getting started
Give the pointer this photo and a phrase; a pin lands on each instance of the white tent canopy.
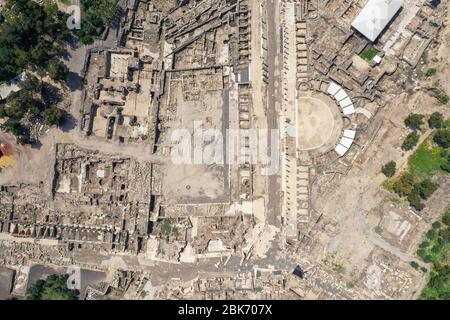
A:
(375, 16)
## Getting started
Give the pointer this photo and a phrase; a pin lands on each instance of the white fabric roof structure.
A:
(333, 88)
(340, 150)
(345, 103)
(341, 95)
(346, 142)
(348, 110)
(351, 134)
(377, 59)
(375, 16)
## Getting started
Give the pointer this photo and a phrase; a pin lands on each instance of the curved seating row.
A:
(342, 98)
(346, 142)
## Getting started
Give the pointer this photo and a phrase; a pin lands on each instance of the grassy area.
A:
(415, 183)
(424, 163)
(388, 184)
(427, 160)
(368, 53)
(447, 123)
(166, 227)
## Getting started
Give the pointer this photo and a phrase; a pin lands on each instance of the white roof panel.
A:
(351, 134)
(348, 110)
(341, 150)
(375, 16)
(377, 59)
(340, 95)
(333, 88)
(345, 103)
(346, 142)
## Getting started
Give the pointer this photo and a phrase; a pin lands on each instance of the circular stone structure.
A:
(318, 123)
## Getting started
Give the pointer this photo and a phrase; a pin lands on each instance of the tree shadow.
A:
(68, 122)
(73, 42)
(74, 81)
(50, 94)
(36, 144)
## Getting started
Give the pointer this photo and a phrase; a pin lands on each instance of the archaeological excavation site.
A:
(225, 150)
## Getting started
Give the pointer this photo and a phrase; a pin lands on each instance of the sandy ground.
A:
(315, 123)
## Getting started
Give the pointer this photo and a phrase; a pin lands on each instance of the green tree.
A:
(31, 84)
(446, 217)
(54, 287)
(426, 188)
(389, 169)
(442, 98)
(442, 138)
(97, 14)
(404, 185)
(415, 201)
(57, 70)
(414, 121)
(14, 127)
(52, 116)
(438, 287)
(410, 141)
(432, 234)
(30, 35)
(436, 225)
(444, 233)
(436, 120)
(446, 165)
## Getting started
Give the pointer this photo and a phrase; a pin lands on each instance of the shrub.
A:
(444, 233)
(442, 138)
(52, 116)
(446, 217)
(404, 185)
(442, 99)
(446, 166)
(410, 141)
(430, 72)
(424, 245)
(54, 287)
(414, 121)
(389, 169)
(426, 188)
(436, 225)
(436, 120)
(57, 70)
(415, 201)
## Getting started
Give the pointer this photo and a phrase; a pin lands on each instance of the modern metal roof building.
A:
(375, 16)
